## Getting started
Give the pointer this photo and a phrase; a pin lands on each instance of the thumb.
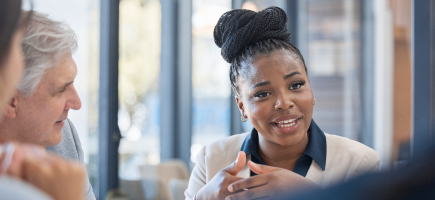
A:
(237, 165)
(262, 169)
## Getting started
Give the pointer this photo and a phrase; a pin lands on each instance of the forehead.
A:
(64, 72)
(273, 66)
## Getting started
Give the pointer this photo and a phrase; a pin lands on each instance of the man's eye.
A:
(62, 90)
(262, 94)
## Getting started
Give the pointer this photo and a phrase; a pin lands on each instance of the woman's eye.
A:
(262, 94)
(296, 86)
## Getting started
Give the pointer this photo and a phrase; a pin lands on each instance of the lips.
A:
(62, 120)
(287, 124)
(60, 123)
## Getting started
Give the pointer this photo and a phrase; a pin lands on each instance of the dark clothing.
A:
(416, 180)
(316, 150)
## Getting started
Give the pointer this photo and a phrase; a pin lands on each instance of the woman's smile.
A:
(287, 124)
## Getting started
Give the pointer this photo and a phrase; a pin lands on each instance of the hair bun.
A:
(239, 28)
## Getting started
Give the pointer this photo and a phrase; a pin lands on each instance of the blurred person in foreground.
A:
(415, 180)
(26, 171)
(38, 111)
(269, 77)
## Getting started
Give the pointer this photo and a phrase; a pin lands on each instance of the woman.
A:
(26, 171)
(269, 77)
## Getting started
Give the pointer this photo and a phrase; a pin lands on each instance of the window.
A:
(210, 79)
(331, 51)
(139, 69)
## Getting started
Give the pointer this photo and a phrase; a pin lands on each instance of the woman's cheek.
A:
(253, 108)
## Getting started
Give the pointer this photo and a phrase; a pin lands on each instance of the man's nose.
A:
(73, 101)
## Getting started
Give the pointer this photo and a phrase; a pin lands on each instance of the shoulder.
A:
(221, 153)
(356, 154)
(355, 147)
(228, 144)
(70, 129)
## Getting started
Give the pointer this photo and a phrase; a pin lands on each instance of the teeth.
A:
(286, 125)
(287, 121)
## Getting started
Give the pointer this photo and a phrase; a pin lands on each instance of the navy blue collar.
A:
(316, 149)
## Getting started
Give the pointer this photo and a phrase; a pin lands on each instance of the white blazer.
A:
(345, 158)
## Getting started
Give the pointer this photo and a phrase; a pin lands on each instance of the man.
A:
(39, 110)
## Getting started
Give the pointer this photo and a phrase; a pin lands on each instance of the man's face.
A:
(43, 114)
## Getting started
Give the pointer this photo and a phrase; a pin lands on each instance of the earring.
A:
(244, 119)
(314, 102)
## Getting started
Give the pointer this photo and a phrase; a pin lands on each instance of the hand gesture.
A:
(217, 187)
(12, 157)
(59, 178)
(270, 183)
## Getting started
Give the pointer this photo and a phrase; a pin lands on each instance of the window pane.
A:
(258, 5)
(332, 57)
(211, 84)
(139, 67)
(83, 17)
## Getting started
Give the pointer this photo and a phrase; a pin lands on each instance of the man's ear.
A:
(12, 107)
(240, 105)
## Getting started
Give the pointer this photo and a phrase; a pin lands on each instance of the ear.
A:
(240, 104)
(11, 107)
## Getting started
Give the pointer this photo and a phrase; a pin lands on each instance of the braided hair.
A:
(244, 34)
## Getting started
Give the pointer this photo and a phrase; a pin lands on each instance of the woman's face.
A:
(11, 69)
(274, 93)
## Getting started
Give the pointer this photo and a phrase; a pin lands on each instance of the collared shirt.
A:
(316, 150)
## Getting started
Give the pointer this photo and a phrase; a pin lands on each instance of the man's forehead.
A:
(61, 75)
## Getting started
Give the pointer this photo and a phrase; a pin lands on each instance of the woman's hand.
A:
(12, 157)
(61, 179)
(270, 183)
(216, 189)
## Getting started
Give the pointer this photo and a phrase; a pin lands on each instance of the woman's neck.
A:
(281, 156)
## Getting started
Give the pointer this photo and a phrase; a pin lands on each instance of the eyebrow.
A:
(268, 82)
(260, 84)
(291, 74)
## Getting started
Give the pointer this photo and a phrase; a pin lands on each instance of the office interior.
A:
(155, 89)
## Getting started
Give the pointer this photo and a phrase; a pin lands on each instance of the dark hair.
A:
(10, 21)
(243, 34)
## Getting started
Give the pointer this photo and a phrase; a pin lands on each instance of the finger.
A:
(262, 169)
(254, 193)
(12, 162)
(9, 151)
(237, 165)
(35, 170)
(254, 181)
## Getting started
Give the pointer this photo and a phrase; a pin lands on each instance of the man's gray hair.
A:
(44, 44)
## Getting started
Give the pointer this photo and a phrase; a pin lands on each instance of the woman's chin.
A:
(288, 140)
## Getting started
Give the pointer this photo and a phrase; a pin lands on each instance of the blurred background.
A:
(174, 94)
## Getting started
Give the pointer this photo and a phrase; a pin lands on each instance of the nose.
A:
(73, 101)
(283, 101)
